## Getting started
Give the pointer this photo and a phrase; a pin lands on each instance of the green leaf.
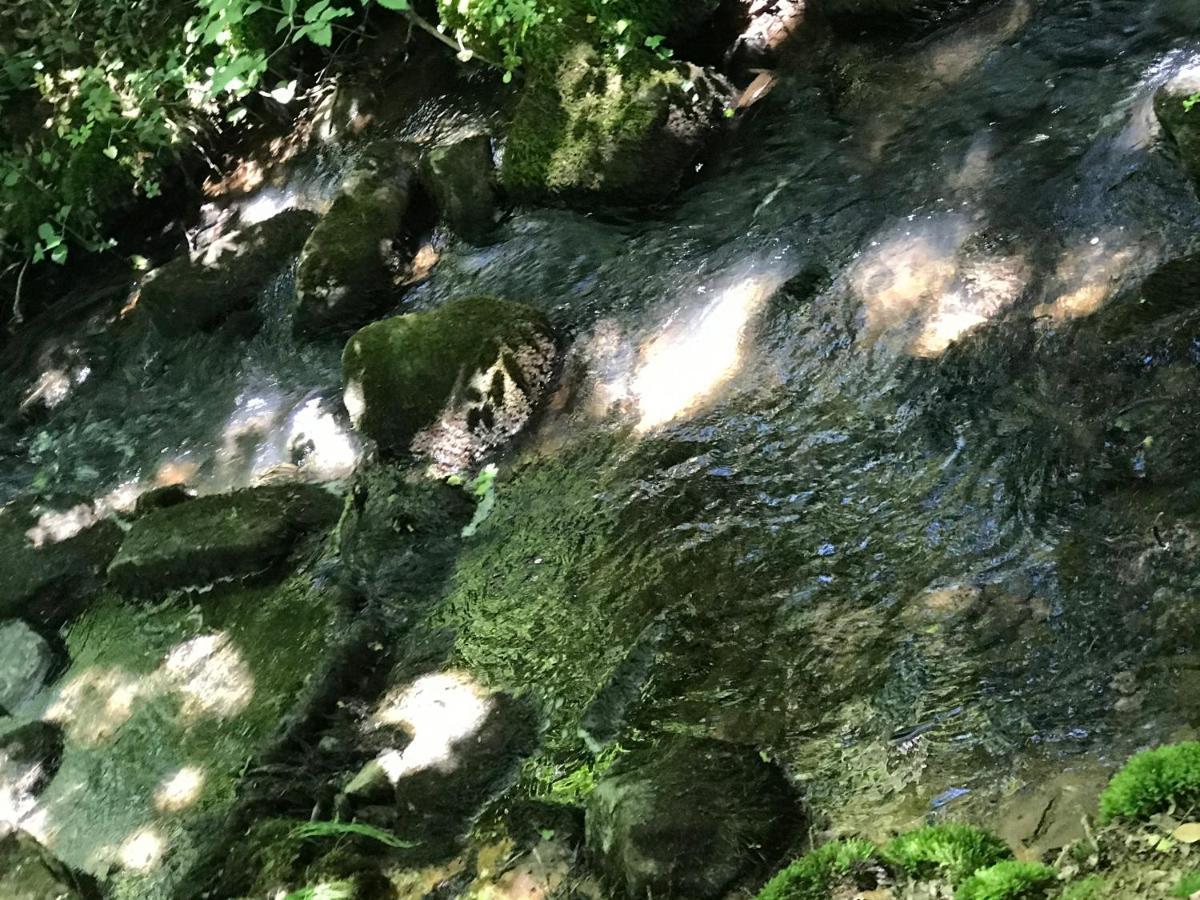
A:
(341, 829)
(397, 5)
(59, 254)
(47, 233)
(110, 151)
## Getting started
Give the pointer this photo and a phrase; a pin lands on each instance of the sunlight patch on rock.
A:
(210, 676)
(143, 850)
(179, 791)
(439, 711)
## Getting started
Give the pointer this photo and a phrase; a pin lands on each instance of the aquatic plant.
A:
(813, 876)
(1154, 781)
(1010, 880)
(343, 829)
(1188, 885)
(950, 850)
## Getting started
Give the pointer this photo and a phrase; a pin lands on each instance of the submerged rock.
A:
(1180, 120)
(345, 272)
(451, 384)
(53, 554)
(222, 537)
(460, 178)
(29, 872)
(461, 745)
(29, 758)
(690, 818)
(26, 660)
(201, 290)
(624, 135)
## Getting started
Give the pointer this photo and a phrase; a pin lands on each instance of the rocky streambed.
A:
(632, 484)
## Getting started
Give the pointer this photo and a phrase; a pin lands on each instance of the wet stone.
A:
(1179, 121)
(464, 745)
(223, 537)
(53, 554)
(451, 384)
(203, 289)
(29, 758)
(26, 660)
(29, 872)
(690, 818)
(345, 270)
(460, 178)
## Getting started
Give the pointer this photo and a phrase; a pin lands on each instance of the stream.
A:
(847, 433)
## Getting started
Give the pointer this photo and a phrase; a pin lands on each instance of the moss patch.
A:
(815, 875)
(1152, 782)
(624, 132)
(950, 851)
(1008, 881)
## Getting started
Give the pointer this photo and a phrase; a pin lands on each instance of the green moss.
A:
(952, 851)
(588, 127)
(1091, 888)
(1154, 781)
(400, 373)
(813, 876)
(1188, 885)
(1009, 880)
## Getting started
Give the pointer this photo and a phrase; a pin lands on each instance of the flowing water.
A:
(846, 425)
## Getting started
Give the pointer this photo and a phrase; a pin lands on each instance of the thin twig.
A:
(17, 318)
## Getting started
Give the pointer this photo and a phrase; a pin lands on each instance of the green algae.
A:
(164, 706)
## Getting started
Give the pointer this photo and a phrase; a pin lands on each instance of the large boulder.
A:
(201, 290)
(26, 660)
(29, 872)
(690, 818)
(451, 384)
(1173, 104)
(621, 134)
(219, 538)
(53, 553)
(460, 177)
(346, 267)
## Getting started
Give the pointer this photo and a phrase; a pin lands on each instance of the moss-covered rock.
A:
(1180, 120)
(1154, 781)
(622, 134)
(950, 851)
(460, 177)
(689, 818)
(451, 384)
(345, 272)
(200, 290)
(53, 553)
(26, 660)
(222, 537)
(29, 872)
(815, 875)
(1010, 880)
